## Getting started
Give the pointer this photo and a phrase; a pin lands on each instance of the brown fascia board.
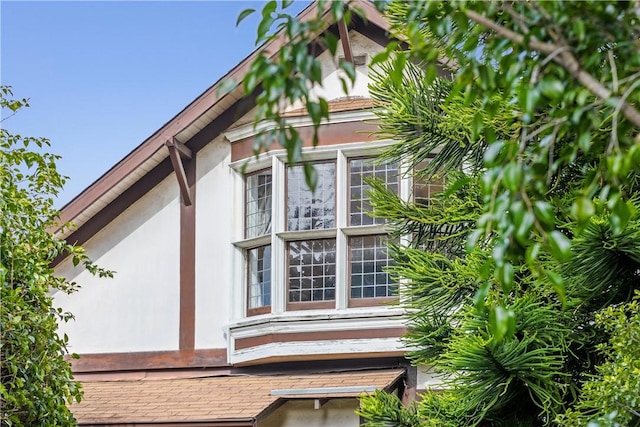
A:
(233, 422)
(188, 116)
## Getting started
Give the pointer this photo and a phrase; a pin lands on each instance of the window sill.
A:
(320, 315)
(372, 331)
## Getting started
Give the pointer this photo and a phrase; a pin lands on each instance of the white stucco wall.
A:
(296, 413)
(331, 85)
(137, 310)
(214, 225)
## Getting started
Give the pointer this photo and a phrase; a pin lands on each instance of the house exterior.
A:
(241, 298)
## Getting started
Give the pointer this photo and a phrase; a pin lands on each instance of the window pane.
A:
(369, 259)
(423, 190)
(307, 210)
(312, 270)
(258, 204)
(259, 276)
(359, 202)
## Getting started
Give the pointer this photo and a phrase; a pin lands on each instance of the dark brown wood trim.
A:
(185, 152)
(371, 302)
(314, 359)
(334, 363)
(240, 422)
(185, 117)
(105, 362)
(344, 38)
(242, 343)
(310, 305)
(188, 263)
(189, 114)
(328, 134)
(154, 176)
(178, 168)
(257, 311)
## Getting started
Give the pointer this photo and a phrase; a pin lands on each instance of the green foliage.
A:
(612, 398)
(286, 76)
(535, 128)
(386, 410)
(37, 384)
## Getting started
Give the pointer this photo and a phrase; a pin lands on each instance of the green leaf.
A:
(243, 15)
(504, 276)
(349, 69)
(480, 295)
(396, 73)
(227, 85)
(560, 245)
(269, 8)
(332, 42)
(477, 125)
(551, 88)
(583, 209)
(501, 323)
(310, 176)
(544, 213)
(512, 177)
(263, 28)
(620, 216)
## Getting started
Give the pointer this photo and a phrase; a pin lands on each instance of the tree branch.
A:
(565, 59)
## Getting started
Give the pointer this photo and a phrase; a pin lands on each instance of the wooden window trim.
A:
(370, 302)
(310, 305)
(258, 310)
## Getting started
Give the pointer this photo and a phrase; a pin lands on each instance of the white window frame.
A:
(279, 236)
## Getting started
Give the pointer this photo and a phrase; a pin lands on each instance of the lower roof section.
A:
(228, 400)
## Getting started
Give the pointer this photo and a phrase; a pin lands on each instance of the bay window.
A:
(319, 249)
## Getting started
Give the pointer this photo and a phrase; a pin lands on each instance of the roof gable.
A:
(196, 125)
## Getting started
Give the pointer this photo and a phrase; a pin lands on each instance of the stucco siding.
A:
(137, 310)
(214, 227)
(296, 413)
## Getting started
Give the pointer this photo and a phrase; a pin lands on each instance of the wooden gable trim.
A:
(187, 331)
(177, 153)
(180, 122)
(346, 43)
(188, 116)
(151, 360)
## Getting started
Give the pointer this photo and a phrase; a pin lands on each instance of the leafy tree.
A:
(518, 303)
(528, 376)
(37, 384)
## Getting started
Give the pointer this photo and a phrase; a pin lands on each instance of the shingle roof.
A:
(212, 398)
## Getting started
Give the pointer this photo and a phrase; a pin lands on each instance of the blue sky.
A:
(102, 76)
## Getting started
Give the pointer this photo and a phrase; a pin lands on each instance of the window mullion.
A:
(406, 187)
(342, 273)
(278, 262)
(238, 293)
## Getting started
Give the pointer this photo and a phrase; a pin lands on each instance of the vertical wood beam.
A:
(344, 38)
(188, 262)
(411, 383)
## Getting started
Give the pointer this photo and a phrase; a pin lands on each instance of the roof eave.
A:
(152, 151)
